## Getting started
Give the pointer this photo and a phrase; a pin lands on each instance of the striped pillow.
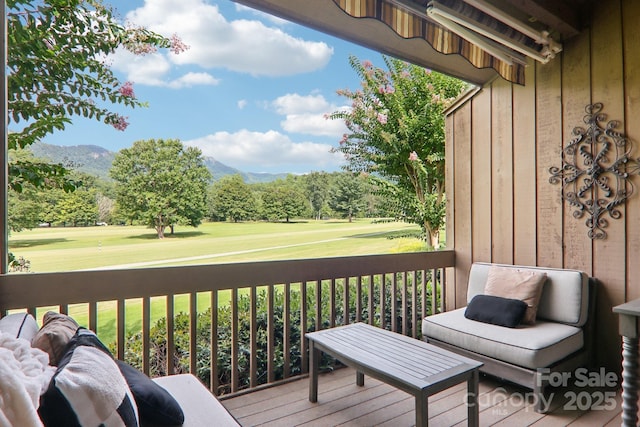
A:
(88, 388)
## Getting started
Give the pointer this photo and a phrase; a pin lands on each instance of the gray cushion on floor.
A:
(529, 346)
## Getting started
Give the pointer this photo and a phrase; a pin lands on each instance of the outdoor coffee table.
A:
(411, 365)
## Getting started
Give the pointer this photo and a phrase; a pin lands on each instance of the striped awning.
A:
(409, 25)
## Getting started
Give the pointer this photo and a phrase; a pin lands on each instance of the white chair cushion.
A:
(528, 346)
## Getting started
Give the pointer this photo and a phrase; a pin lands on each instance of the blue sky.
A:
(251, 91)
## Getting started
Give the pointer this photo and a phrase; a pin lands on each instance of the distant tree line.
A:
(162, 184)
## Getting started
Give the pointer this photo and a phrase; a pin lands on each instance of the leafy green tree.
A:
(25, 206)
(56, 70)
(346, 195)
(317, 186)
(233, 199)
(283, 199)
(396, 133)
(78, 207)
(161, 183)
(25, 209)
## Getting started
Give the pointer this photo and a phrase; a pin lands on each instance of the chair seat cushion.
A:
(530, 346)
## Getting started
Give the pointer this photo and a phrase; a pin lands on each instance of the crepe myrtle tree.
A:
(161, 183)
(396, 136)
(56, 70)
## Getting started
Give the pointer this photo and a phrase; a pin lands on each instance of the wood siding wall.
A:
(501, 143)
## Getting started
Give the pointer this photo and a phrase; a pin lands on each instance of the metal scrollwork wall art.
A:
(596, 166)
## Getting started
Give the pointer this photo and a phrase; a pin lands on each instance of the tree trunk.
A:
(435, 239)
(160, 230)
(171, 226)
(432, 237)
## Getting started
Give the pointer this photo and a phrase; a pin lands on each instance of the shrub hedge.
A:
(158, 332)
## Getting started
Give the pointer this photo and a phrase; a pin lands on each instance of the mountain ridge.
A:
(96, 161)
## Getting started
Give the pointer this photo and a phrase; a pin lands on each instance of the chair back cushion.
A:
(565, 294)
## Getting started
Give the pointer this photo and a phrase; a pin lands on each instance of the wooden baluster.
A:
(383, 302)
(332, 304)
(358, 299)
(93, 316)
(120, 322)
(443, 287)
(193, 333)
(434, 292)
(346, 310)
(414, 305)
(234, 340)
(215, 382)
(146, 341)
(271, 336)
(423, 295)
(318, 305)
(253, 337)
(405, 312)
(171, 346)
(371, 307)
(303, 328)
(394, 303)
(286, 332)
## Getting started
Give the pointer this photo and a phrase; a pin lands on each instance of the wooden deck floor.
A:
(342, 403)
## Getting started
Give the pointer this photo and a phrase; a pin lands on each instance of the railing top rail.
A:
(32, 290)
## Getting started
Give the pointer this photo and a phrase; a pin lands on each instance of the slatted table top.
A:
(406, 362)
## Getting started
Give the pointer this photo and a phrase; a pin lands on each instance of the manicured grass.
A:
(64, 249)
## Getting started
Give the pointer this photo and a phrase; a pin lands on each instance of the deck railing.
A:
(260, 310)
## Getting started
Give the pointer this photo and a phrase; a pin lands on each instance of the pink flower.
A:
(127, 90)
(367, 64)
(177, 45)
(413, 156)
(120, 123)
(382, 118)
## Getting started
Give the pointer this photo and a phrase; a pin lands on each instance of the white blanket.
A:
(24, 375)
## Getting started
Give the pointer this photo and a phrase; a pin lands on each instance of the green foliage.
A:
(396, 133)
(317, 189)
(56, 70)
(346, 196)
(158, 350)
(283, 199)
(232, 199)
(161, 183)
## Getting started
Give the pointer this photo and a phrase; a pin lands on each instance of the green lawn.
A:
(65, 249)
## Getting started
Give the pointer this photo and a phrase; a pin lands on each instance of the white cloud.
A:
(153, 69)
(313, 124)
(246, 46)
(271, 18)
(194, 79)
(306, 114)
(293, 103)
(242, 103)
(259, 151)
